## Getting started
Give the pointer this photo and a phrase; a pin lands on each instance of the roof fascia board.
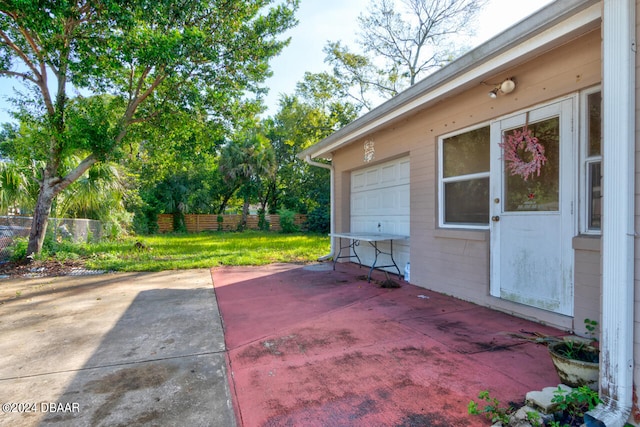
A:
(552, 24)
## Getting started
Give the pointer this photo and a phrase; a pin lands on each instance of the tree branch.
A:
(21, 75)
(138, 99)
(76, 173)
(20, 53)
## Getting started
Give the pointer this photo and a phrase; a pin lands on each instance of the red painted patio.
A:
(309, 346)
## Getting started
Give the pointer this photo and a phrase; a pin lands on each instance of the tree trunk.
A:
(40, 219)
(245, 214)
(50, 187)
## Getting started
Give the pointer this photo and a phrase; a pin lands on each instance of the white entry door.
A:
(532, 221)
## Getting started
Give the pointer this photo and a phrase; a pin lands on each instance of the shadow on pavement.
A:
(117, 350)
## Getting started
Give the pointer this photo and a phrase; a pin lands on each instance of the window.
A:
(464, 179)
(541, 192)
(592, 165)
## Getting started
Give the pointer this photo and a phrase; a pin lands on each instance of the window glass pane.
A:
(595, 130)
(467, 153)
(467, 202)
(537, 193)
(595, 196)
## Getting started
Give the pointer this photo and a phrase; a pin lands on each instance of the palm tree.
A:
(244, 163)
(18, 187)
(96, 195)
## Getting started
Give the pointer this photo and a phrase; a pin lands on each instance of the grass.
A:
(203, 250)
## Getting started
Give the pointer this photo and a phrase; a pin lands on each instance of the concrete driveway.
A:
(113, 350)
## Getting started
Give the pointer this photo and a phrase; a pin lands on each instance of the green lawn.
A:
(203, 250)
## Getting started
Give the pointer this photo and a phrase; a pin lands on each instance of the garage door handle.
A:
(495, 218)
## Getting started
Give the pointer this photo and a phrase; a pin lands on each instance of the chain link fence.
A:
(74, 229)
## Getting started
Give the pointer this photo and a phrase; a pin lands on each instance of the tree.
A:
(97, 194)
(151, 57)
(175, 167)
(399, 47)
(317, 109)
(244, 164)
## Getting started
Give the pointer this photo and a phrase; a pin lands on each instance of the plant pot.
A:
(574, 372)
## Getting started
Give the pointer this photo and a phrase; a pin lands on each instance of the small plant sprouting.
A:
(591, 326)
(575, 403)
(492, 410)
(534, 418)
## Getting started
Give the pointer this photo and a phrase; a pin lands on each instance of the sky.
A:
(335, 20)
(332, 20)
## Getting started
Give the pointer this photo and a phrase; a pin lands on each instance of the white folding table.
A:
(354, 240)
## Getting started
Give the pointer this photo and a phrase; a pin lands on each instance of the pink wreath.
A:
(523, 142)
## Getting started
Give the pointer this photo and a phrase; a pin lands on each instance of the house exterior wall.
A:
(456, 261)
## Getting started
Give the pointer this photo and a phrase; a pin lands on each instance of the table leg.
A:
(375, 260)
(351, 246)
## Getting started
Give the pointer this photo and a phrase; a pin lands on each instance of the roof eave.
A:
(551, 25)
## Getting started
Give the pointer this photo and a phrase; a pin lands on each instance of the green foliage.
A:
(144, 64)
(491, 409)
(245, 164)
(287, 221)
(62, 250)
(179, 225)
(263, 224)
(534, 418)
(319, 220)
(578, 350)
(591, 326)
(18, 249)
(575, 404)
(203, 250)
(317, 109)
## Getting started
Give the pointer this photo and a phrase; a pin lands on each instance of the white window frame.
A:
(442, 180)
(585, 162)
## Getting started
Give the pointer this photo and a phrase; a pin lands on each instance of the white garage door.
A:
(380, 203)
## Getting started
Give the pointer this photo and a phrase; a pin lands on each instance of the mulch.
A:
(29, 268)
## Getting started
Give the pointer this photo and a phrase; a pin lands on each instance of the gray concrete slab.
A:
(117, 349)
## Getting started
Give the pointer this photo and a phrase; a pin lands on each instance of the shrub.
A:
(263, 224)
(18, 249)
(319, 220)
(287, 221)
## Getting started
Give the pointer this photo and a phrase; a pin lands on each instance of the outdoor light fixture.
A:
(507, 86)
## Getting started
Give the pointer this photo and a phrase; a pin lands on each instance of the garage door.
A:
(380, 203)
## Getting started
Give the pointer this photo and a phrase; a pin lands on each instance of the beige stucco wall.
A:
(456, 262)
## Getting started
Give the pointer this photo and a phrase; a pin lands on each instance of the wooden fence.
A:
(196, 223)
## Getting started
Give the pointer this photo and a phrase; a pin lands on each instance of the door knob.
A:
(495, 218)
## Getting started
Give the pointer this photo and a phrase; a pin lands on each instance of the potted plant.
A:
(577, 359)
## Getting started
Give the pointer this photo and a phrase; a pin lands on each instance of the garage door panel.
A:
(358, 204)
(380, 202)
(404, 172)
(388, 175)
(358, 181)
(373, 178)
(373, 202)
